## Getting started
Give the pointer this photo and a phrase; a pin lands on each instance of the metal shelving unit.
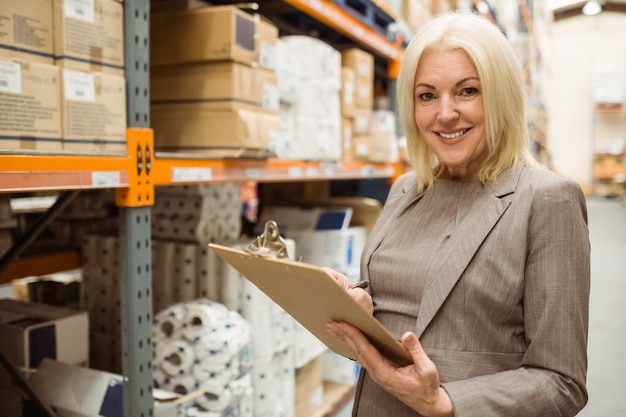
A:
(135, 174)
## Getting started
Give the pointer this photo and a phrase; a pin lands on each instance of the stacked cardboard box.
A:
(62, 81)
(358, 102)
(218, 94)
(30, 333)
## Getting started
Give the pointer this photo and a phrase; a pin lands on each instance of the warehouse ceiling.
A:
(564, 9)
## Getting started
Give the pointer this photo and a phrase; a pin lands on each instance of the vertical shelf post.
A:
(134, 236)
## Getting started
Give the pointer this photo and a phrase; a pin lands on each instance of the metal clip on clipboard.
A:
(269, 244)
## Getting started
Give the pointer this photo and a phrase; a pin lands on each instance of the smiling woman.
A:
(480, 260)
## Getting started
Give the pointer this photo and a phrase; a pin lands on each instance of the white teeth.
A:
(452, 135)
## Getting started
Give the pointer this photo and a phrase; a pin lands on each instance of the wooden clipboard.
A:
(313, 298)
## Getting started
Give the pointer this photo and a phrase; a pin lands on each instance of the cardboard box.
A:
(89, 35)
(361, 121)
(309, 388)
(215, 84)
(30, 106)
(75, 391)
(348, 92)
(214, 33)
(346, 140)
(360, 61)
(360, 149)
(26, 30)
(60, 289)
(31, 332)
(94, 112)
(194, 128)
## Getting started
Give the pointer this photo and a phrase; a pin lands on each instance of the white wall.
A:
(575, 46)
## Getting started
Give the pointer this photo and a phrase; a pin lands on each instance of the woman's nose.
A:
(448, 110)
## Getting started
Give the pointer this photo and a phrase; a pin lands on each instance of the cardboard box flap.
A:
(80, 390)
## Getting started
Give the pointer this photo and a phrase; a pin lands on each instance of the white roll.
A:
(204, 345)
(175, 357)
(168, 323)
(218, 374)
(159, 377)
(183, 384)
(208, 282)
(201, 317)
(214, 400)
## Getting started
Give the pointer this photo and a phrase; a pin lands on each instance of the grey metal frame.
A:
(134, 235)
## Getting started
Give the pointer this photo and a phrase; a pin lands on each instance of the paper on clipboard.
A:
(314, 299)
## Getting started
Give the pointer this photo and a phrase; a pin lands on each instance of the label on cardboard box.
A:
(79, 86)
(10, 77)
(80, 9)
(30, 106)
(94, 112)
(89, 35)
(26, 30)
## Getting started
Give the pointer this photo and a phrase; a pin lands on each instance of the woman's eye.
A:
(426, 97)
(469, 92)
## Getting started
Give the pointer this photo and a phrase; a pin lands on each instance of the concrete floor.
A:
(606, 378)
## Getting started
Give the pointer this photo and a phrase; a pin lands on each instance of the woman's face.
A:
(449, 111)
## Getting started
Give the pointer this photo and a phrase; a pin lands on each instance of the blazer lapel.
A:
(463, 245)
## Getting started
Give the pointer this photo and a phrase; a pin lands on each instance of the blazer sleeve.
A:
(551, 379)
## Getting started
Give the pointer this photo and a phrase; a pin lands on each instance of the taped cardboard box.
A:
(26, 30)
(215, 84)
(94, 112)
(194, 128)
(362, 63)
(30, 106)
(89, 35)
(31, 332)
(218, 33)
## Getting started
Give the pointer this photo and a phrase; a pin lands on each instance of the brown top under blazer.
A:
(505, 315)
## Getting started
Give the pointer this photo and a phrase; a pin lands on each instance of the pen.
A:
(361, 284)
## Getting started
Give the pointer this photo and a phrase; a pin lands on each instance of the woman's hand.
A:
(416, 385)
(360, 295)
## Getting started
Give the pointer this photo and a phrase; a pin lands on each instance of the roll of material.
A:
(176, 357)
(168, 323)
(212, 399)
(206, 376)
(183, 384)
(184, 275)
(202, 346)
(159, 377)
(208, 284)
(201, 318)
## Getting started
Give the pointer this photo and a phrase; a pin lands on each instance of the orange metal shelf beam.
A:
(36, 172)
(41, 265)
(134, 175)
(170, 170)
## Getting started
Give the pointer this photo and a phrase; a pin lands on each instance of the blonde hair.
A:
(502, 90)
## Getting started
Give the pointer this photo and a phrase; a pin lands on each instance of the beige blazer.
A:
(505, 314)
